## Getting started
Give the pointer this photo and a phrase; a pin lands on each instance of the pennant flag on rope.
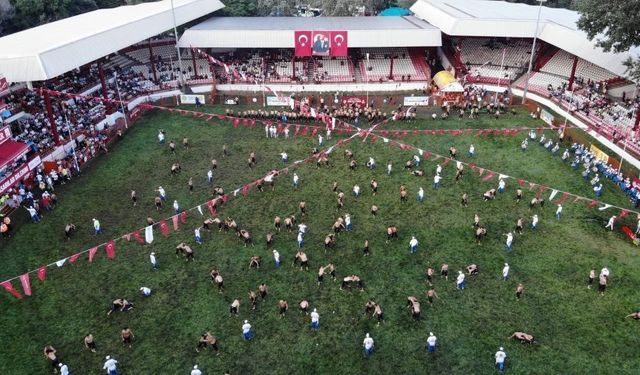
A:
(606, 206)
(164, 228)
(183, 217)
(200, 210)
(520, 182)
(148, 234)
(127, 237)
(26, 284)
(9, 288)
(553, 194)
(42, 273)
(489, 176)
(480, 171)
(212, 207)
(138, 237)
(110, 249)
(445, 162)
(426, 155)
(503, 176)
(245, 189)
(564, 197)
(61, 262)
(577, 199)
(593, 204)
(531, 185)
(175, 218)
(541, 190)
(92, 253)
(225, 198)
(74, 258)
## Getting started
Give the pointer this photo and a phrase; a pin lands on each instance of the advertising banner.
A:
(598, 153)
(357, 100)
(191, 99)
(421, 101)
(279, 101)
(5, 133)
(547, 117)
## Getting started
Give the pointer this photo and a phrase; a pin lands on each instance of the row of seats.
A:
(562, 62)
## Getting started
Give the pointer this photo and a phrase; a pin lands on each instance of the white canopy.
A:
(483, 18)
(55, 48)
(278, 32)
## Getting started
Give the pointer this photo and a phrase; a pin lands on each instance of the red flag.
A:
(164, 228)
(74, 258)
(26, 284)
(236, 122)
(92, 253)
(305, 131)
(520, 182)
(564, 197)
(175, 218)
(339, 43)
(374, 138)
(445, 162)
(138, 237)
(9, 288)
(303, 43)
(225, 198)
(541, 190)
(42, 273)
(245, 189)
(593, 204)
(314, 132)
(212, 206)
(480, 171)
(183, 217)
(110, 249)
(623, 213)
(489, 176)
(426, 155)
(415, 133)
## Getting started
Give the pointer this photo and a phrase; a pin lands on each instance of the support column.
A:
(103, 82)
(636, 126)
(391, 69)
(52, 121)
(572, 77)
(193, 61)
(153, 64)
(293, 67)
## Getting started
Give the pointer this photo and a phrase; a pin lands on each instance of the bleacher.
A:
(328, 69)
(483, 57)
(379, 65)
(562, 62)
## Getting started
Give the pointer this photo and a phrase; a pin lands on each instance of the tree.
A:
(615, 27)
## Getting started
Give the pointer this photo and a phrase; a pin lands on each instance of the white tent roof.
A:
(502, 19)
(278, 32)
(52, 49)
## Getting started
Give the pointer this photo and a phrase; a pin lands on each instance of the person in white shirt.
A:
(436, 181)
(320, 140)
(416, 160)
(111, 365)
(431, 343)
(64, 369)
(302, 228)
(34, 215)
(472, 151)
(505, 272)
(198, 237)
(153, 261)
(276, 257)
(367, 343)
(356, 190)
(145, 291)
(604, 272)
(210, 176)
(438, 169)
(96, 226)
(413, 244)
(176, 207)
(267, 130)
(371, 164)
(315, 320)
(501, 186)
(559, 212)
(460, 280)
(284, 157)
(246, 331)
(161, 137)
(296, 180)
(347, 222)
(500, 357)
(163, 194)
(196, 370)
(421, 195)
(509, 242)
(611, 222)
(389, 168)
(534, 222)
(300, 239)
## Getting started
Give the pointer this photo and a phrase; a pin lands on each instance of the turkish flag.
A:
(164, 228)
(26, 284)
(339, 43)
(138, 237)
(302, 43)
(9, 288)
(42, 273)
(174, 218)
(74, 258)
(110, 249)
(183, 217)
(92, 253)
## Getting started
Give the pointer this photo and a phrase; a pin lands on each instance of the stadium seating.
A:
(561, 63)
(378, 66)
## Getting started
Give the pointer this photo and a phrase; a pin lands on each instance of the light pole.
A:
(175, 34)
(533, 50)
(366, 72)
(495, 100)
(115, 78)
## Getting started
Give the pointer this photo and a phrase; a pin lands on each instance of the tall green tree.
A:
(615, 27)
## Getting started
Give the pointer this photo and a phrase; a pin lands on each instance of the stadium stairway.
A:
(419, 62)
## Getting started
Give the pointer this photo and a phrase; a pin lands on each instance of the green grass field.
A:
(577, 330)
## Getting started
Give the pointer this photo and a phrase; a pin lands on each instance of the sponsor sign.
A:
(599, 154)
(421, 101)
(16, 176)
(191, 99)
(547, 117)
(5, 133)
(357, 100)
(279, 101)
